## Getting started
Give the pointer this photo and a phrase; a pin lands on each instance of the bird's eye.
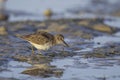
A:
(59, 38)
(62, 38)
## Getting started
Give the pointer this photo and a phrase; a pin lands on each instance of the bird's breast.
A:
(42, 47)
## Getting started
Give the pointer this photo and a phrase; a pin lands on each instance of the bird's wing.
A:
(39, 37)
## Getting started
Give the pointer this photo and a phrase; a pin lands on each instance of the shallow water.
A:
(15, 68)
(33, 10)
(39, 6)
(106, 39)
(36, 8)
(115, 22)
(77, 67)
(88, 71)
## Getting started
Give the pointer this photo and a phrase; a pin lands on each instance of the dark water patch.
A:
(2, 78)
(106, 51)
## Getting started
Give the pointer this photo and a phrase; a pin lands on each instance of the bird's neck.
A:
(54, 41)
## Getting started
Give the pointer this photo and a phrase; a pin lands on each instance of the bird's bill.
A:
(65, 44)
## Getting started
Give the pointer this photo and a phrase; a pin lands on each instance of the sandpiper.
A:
(43, 40)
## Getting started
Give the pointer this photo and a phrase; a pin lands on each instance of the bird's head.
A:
(60, 40)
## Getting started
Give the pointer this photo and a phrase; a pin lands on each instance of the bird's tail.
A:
(20, 36)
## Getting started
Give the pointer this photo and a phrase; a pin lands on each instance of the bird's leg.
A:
(63, 49)
(33, 53)
(40, 55)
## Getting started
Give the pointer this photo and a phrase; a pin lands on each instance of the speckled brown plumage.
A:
(43, 40)
(40, 38)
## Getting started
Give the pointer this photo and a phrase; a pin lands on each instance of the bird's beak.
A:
(65, 44)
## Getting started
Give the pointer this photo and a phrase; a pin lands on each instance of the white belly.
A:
(41, 47)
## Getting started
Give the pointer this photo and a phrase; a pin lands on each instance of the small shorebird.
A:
(43, 40)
